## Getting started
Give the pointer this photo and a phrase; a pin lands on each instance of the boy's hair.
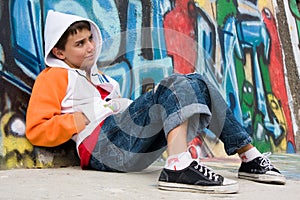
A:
(72, 30)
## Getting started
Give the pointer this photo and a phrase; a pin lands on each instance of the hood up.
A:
(56, 24)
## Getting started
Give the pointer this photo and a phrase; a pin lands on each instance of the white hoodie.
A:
(80, 94)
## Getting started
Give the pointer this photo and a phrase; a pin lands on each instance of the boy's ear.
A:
(58, 53)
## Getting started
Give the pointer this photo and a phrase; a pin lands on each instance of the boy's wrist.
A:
(80, 121)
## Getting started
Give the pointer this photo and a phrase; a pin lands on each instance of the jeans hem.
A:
(185, 113)
(233, 150)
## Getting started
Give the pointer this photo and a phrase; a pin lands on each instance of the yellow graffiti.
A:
(278, 112)
(265, 4)
(209, 7)
(15, 150)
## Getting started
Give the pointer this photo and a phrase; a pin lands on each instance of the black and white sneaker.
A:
(196, 178)
(260, 169)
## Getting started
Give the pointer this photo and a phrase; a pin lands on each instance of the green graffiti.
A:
(295, 12)
(294, 8)
(260, 139)
(225, 9)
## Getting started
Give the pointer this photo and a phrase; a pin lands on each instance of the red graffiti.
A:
(276, 72)
(180, 37)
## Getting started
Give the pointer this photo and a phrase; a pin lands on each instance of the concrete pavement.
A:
(74, 183)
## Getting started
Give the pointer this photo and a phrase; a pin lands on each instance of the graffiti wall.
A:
(235, 43)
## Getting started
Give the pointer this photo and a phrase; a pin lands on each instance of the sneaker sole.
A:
(224, 189)
(262, 178)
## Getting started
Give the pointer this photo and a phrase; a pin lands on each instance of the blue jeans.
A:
(135, 138)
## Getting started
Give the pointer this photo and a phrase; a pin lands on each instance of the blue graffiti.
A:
(231, 47)
(160, 65)
(206, 53)
(26, 44)
(122, 57)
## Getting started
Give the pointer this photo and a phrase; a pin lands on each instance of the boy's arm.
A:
(45, 124)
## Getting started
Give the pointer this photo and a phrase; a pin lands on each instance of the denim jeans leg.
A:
(188, 99)
(133, 139)
(233, 135)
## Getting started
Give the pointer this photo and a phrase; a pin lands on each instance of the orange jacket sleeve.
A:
(45, 124)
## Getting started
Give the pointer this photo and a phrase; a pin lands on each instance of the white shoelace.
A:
(206, 171)
(265, 162)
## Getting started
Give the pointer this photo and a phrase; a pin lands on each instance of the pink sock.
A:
(250, 155)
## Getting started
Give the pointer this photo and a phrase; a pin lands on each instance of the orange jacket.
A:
(45, 124)
(58, 94)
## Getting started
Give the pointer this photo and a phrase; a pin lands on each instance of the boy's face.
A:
(79, 51)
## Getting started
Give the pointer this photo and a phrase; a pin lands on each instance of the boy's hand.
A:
(80, 120)
(84, 118)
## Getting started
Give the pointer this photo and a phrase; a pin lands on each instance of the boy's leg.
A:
(255, 166)
(182, 172)
(136, 139)
(223, 123)
(133, 139)
(233, 135)
(114, 153)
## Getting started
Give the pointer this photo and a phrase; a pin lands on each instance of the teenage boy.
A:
(71, 99)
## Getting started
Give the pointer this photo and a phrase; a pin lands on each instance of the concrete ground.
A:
(74, 183)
